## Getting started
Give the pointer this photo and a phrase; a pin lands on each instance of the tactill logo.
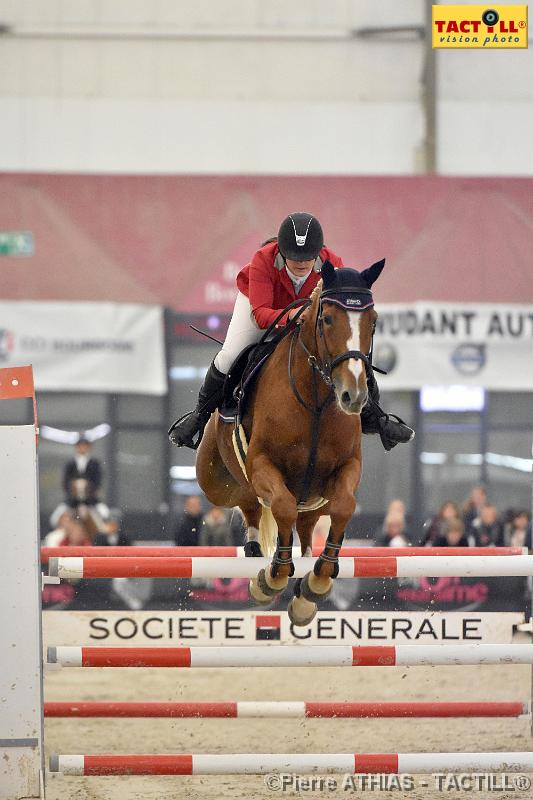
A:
(475, 26)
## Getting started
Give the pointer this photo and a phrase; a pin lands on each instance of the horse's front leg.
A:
(317, 585)
(300, 610)
(281, 511)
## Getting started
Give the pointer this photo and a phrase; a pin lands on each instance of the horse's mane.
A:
(315, 295)
(312, 310)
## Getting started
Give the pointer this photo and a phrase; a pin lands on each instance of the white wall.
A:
(485, 112)
(246, 86)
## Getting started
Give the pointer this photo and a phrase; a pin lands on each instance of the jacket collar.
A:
(279, 263)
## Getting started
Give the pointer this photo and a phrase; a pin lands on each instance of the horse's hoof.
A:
(266, 587)
(301, 611)
(262, 591)
(252, 550)
(309, 594)
(257, 595)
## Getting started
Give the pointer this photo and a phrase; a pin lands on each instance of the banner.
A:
(86, 347)
(151, 628)
(443, 344)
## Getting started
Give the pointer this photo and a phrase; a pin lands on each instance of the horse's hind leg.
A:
(251, 510)
(282, 511)
(212, 475)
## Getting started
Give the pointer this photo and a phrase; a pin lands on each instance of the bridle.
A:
(325, 367)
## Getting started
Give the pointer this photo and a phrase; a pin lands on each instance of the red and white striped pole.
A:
(280, 709)
(298, 763)
(293, 655)
(233, 552)
(360, 567)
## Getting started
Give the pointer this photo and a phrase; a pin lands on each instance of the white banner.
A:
(488, 345)
(154, 628)
(87, 347)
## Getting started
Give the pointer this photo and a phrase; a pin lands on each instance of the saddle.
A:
(242, 377)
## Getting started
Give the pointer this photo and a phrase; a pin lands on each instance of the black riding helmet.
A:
(300, 237)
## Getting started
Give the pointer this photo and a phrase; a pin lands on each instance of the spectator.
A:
(74, 533)
(473, 505)
(519, 533)
(435, 527)
(111, 533)
(394, 534)
(82, 468)
(187, 530)
(488, 528)
(58, 534)
(396, 508)
(216, 530)
(453, 535)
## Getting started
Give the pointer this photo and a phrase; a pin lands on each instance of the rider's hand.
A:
(292, 313)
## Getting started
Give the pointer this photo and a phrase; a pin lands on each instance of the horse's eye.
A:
(328, 319)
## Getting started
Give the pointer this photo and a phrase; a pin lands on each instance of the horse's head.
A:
(345, 323)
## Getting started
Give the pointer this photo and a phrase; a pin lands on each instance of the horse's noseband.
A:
(357, 354)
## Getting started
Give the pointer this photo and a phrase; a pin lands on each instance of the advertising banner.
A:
(86, 347)
(150, 628)
(443, 344)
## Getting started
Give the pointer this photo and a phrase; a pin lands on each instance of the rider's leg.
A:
(242, 331)
(375, 420)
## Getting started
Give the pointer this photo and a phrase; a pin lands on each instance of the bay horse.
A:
(302, 423)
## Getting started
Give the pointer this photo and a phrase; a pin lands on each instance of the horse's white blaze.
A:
(355, 365)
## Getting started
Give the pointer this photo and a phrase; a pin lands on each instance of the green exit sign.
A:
(16, 243)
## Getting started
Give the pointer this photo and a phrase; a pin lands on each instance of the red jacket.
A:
(270, 289)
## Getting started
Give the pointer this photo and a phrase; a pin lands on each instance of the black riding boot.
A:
(185, 428)
(375, 420)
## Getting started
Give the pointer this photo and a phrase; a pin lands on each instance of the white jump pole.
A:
(359, 567)
(21, 694)
(298, 763)
(293, 655)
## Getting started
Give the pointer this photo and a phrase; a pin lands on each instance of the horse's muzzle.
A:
(351, 401)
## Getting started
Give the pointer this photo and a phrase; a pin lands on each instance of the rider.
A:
(282, 270)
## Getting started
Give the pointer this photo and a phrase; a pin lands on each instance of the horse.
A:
(303, 429)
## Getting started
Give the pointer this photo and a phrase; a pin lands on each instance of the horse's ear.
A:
(328, 274)
(371, 274)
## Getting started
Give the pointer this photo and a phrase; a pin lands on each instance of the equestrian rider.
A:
(284, 269)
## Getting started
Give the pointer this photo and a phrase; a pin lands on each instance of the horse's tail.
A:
(268, 531)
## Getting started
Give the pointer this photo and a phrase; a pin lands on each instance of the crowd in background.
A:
(477, 523)
(84, 519)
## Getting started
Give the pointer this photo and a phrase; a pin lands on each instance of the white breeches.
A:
(243, 330)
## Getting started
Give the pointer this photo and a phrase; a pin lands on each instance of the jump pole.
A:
(280, 710)
(293, 655)
(21, 716)
(359, 567)
(299, 763)
(234, 552)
